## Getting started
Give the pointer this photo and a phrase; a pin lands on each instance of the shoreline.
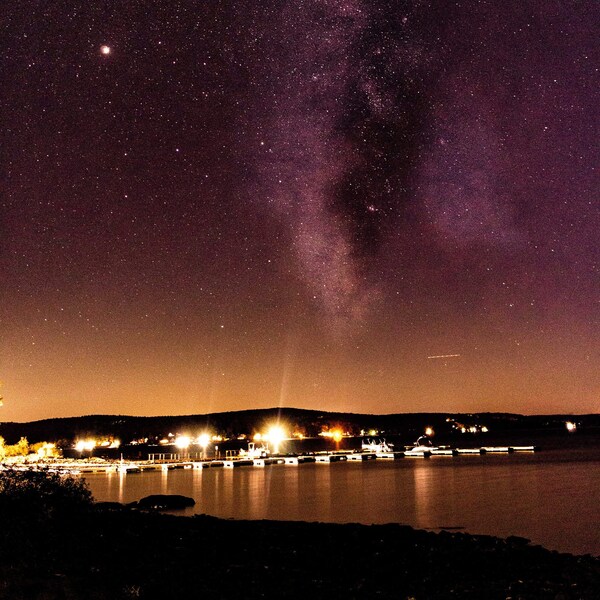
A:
(107, 553)
(458, 530)
(557, 535)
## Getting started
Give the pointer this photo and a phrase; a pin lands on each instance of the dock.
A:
(169, 462)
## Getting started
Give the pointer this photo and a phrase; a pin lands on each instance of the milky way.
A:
(350, 111)
(202, 200)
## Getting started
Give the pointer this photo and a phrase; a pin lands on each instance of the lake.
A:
(551, 497)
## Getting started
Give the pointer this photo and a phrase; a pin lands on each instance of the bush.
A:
(39, 511)
(41, 494)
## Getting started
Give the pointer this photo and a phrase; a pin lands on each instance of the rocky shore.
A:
(110, 553)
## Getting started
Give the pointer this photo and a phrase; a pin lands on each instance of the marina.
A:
(171, 461)
(501, 488)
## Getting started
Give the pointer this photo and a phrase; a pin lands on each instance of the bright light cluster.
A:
(203, 440)
(46, 450)
(274, 435)
(85, 445)
(182, 442)
(335, 434)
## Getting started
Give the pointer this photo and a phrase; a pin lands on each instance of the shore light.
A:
(46, 450)
(337, 435)
(204, 440)
(182, 442)
(85, 445)
(571, 427)
(276, 435)
(429, 431)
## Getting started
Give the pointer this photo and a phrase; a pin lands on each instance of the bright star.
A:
(105, 50)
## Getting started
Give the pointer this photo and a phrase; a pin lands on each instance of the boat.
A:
(421, 448)
(378, 446)
(254, 451)
(128, 468)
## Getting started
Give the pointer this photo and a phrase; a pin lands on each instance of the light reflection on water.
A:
(552, 498)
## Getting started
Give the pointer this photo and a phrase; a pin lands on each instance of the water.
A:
(552, 497)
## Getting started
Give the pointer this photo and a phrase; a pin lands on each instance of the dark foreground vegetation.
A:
(56, 544)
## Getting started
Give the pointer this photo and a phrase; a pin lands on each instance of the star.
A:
(412, 182)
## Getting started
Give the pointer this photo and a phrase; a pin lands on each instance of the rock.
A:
(165, 502)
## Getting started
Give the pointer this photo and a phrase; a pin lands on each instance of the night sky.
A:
(219, 205)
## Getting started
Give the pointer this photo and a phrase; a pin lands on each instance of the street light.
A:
(203, 441)
(276, 435)
(182, 442)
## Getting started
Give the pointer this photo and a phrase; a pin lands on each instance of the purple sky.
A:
(250, 204)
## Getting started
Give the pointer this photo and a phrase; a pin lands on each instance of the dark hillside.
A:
(309, 422)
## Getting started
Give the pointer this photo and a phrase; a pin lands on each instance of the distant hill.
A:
(308, 422)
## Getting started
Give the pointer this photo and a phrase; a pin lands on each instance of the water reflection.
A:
(424, 480)
(164, 481)
(553, 501)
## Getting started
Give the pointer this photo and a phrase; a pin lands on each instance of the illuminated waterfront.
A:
(552, 497)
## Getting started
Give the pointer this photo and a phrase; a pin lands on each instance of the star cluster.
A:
(213, 206)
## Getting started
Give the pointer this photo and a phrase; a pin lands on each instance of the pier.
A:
(170, 461)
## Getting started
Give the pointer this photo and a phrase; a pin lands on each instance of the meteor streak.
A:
(444, 356)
